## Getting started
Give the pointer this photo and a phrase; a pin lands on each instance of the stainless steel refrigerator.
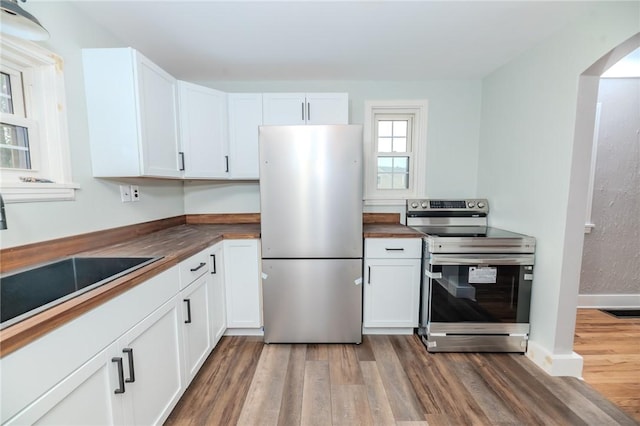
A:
(311, 232)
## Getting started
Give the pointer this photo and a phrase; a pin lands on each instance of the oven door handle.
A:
(482, 260)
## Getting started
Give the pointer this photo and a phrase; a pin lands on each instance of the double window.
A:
(395, 142)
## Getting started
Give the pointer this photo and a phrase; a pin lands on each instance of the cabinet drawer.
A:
(193, 267)
(393, 248)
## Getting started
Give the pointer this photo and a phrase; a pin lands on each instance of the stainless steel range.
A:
(476, 287)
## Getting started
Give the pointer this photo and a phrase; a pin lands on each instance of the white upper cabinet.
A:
(245, 116)
(305, 108)
(203, 132)
(131, 105)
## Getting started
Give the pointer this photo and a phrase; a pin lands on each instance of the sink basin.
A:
(28, 292)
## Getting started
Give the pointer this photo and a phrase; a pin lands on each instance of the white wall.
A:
(525, 162)
(97, 205)
(452, 136)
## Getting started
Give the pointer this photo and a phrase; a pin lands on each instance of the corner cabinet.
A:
(242, 286)
(305, 108)
(203, 132)
(391, 285)
(131, 104)
(245, 116)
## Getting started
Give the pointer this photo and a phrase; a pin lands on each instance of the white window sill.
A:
(36, 192)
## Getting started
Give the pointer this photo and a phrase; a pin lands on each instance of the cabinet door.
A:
(283, 109)
(196, 325)
(242, 284)
(327, 108)
(203, 131)
(155, 383)
(391, 292)
(84, 397)
(245, 115)
(217, 294)
(158, 128)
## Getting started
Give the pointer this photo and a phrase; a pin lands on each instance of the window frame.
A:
(45, 104)
(384, 109)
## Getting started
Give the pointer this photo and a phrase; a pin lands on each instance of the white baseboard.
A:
(555, 364)
(387, 330)
(244, 332)
(609, 301)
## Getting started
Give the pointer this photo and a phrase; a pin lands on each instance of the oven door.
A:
(484, 289)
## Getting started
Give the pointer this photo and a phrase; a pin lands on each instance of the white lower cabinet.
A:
(242, 284)
(85, 397)
(392, 285)
(196, 325)
(121, 384)
(152, 369)
(129, 360)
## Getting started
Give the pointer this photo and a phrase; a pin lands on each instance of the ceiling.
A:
(332, 40)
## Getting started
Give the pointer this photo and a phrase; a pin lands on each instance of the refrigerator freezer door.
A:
(312, 300)
(311, 191)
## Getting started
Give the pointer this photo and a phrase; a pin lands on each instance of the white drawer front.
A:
(393, 248)
(193, 268)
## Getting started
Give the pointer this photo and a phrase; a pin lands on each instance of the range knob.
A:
(471, 204)
(414, 205)
(480, 204)
(424, 204)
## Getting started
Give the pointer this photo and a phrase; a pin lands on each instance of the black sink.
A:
(29, 292)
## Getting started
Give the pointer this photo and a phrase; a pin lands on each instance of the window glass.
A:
(6, 103)
(14, 147)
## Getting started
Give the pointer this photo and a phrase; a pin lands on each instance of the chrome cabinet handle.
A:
(369, 276)
(394, 249)
(188, 320)
(202, 264)
(213, 256)
(118, 360)
(132, 374)
(302, 109)
(308, 111)
(226, 160)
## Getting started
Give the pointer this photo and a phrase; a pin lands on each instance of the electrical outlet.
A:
(125, 193)
(135, 193)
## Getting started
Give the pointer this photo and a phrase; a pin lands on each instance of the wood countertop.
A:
(386, 230)
(174, 244)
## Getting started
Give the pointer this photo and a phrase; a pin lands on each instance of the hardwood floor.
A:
(387, 380)
(610, 348)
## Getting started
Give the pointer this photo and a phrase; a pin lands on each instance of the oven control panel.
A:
(475, 205)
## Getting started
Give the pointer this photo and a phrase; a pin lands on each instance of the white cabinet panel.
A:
(242, 283)
(392, 270)
(245, 115)
(196, 325)
(203, 131)
(131, 105)
(392, 292)
(85, 397)
(305, 108)
(157, 372)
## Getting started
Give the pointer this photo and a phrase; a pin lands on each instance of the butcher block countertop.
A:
(174, 244)
(385, 230)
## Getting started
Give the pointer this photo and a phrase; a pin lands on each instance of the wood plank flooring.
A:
(387, 380)
(610, 348)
